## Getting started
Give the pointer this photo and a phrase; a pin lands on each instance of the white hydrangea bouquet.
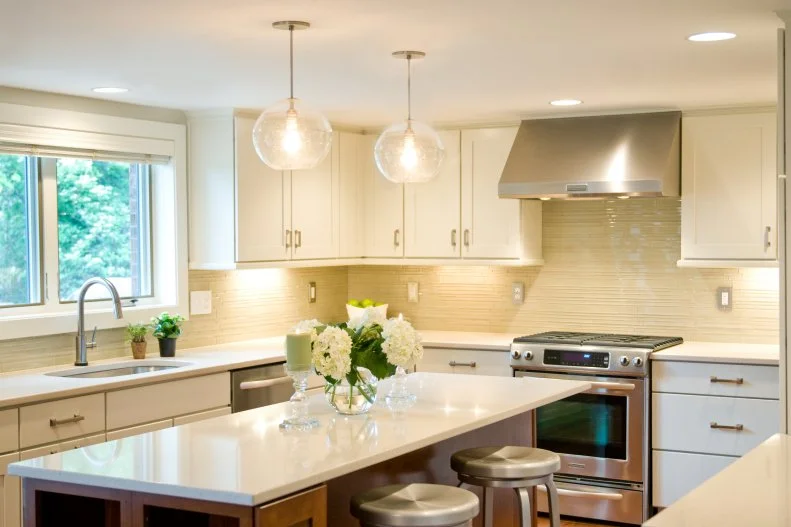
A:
(353, 356)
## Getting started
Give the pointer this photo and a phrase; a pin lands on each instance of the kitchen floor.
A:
(544, 522)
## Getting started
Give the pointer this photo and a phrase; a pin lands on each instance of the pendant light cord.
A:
(409, 87)
(291, 58)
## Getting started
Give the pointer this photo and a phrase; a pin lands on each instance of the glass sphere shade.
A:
(409, 152)
(291, 136)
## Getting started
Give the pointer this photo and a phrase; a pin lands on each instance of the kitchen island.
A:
(244, 470)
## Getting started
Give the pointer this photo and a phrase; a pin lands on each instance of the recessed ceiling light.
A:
(565, 102)
(110, 89)
(713, 36)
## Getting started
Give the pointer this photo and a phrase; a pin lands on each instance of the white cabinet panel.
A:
(729, 187)
(350, 210)
(384, 208)
(9, 430)
(137, 430)
(471, 362)
(677, 473)
(432, 210)
(313, 197)
(58, 420)
(762, 382)
(263, 198)
(60, 447)
(490, 225)
(201, 416)
(10, 494)
(684, 423)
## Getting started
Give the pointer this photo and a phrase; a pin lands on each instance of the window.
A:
(103, 226)
(20, 262)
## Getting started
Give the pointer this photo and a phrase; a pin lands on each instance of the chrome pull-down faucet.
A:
(80, 344)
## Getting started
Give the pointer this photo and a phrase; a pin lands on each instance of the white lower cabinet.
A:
(470, 362)
(141, 429)
(61, 447)
(10, 493)
(201, 416)
(704, 417)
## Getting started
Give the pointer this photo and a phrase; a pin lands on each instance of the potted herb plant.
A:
(136, 336)
(167, 328)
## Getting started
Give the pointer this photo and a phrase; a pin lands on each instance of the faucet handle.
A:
(92, 343)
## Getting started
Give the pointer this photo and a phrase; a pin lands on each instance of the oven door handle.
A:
(266, 383)
(614, 386)
(574, 493)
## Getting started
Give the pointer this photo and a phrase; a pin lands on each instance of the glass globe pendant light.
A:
(409, 151)
(289, 135)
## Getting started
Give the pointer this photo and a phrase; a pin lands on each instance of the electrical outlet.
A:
(200, 303)
(518, 293)
(725, 298)
(412, 292)
(312, 293)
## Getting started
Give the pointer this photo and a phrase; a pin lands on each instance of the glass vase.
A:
(399, 396)
(353, 399)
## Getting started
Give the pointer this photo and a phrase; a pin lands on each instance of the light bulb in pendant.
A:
(409, 153)
(292, 141)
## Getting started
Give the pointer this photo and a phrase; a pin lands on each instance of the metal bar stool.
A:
(415, 505)
(514, 467)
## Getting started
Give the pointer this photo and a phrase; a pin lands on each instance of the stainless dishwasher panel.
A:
(260, 386)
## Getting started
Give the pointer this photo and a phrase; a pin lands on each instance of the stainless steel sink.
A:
(119, 369)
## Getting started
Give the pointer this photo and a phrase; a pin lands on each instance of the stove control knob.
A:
(637, 361)
(515, 354)
(528, 355)
(624, 361)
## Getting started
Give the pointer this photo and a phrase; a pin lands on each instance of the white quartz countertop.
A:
(246, 459)
(744, 353)
(755, 490)
(468, 340)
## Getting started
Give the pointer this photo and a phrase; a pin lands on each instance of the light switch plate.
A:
(518, 293)
(412, 292)
(725, 298)
(200, 303)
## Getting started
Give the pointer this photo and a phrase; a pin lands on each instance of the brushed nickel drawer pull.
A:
(76, 418)
(453, 237)
(738, 380)
(288, 239)
(767, 241)
(466, 237)
(736, 428)
(396, 237)
(471, 364)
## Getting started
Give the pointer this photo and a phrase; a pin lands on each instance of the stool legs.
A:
(525, 513)
(553, 502)
(488, 507)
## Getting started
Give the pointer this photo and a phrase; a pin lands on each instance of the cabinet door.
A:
(137, 430)
(432, 211)
(490, 225)
(728, 208)
(384, 208)
(10, 494)
(350, 210)
(306, 508)
(200, 416)
(263, 199)
(314, 194)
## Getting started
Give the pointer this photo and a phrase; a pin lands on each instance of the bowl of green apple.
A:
(355, 308)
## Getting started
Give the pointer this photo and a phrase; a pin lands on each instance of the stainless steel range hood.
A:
(636, 155)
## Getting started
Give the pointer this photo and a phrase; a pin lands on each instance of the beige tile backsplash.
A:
(610, 266)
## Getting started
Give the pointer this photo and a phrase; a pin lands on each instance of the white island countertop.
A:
(246, 459)
(753, 491)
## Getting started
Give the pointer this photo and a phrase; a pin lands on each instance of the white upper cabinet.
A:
(314, 196)
(728, 203)
(350, 212)
(432, 211)
(263, 202)
(384, 208)
(490, 225)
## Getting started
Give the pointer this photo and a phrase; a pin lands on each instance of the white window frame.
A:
(26, 125)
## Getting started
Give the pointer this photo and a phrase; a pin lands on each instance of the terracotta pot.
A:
(167, 347)
(139, 350)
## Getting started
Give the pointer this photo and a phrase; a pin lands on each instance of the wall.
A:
(246, 305)
(610, 266)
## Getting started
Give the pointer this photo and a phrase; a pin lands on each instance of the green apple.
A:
(354, 303)
(367, 303)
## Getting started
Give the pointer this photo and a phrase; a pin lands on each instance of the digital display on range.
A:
(591, 359)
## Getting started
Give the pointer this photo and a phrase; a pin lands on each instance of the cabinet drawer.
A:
(472, 362)
(142, 429)
(677, 473)
(705, 378)
(684, 422)
(202, 416)
(61, 447)
(144, 404)
(58, 420)
(9, 430)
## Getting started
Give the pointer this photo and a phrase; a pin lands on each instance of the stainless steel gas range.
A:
(602, 435)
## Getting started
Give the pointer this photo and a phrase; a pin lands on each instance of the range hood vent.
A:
(635, 155)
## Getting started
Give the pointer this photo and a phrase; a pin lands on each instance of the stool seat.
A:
(505, 462)
(415, 505)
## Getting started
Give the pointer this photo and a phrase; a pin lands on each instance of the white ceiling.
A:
(488, 60)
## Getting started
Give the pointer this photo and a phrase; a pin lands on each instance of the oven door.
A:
(598, 433)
